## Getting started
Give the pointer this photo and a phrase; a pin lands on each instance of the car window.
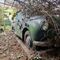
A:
(19, 16)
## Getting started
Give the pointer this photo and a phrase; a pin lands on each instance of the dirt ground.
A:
(10, 49)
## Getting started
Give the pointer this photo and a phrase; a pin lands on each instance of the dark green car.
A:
(36, 30)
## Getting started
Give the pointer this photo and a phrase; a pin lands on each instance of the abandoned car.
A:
(35, 30)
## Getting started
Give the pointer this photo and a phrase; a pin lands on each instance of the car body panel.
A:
(34, 28)
(33, 24)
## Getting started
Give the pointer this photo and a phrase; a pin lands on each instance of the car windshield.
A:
(37, 17)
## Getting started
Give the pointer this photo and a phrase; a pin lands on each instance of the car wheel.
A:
(27, 39)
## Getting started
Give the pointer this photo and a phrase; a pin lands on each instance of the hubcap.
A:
(28, 41)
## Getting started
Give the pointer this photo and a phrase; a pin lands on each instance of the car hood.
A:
(36, 22)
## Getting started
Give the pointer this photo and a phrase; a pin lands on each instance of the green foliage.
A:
(13, 16)
(4, 15)
(1, 15)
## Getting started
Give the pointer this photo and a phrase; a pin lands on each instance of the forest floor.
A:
(10, 49)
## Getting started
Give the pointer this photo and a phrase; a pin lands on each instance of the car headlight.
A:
(45, 25)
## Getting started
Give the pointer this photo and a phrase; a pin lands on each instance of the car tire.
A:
(27, 40)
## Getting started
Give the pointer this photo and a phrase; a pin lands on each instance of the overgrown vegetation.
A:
(34, 7)
(1, 15)
(5, 17)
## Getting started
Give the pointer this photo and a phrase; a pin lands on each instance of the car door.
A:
(19, 24)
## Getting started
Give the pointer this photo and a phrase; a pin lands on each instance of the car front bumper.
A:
(42, 44)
